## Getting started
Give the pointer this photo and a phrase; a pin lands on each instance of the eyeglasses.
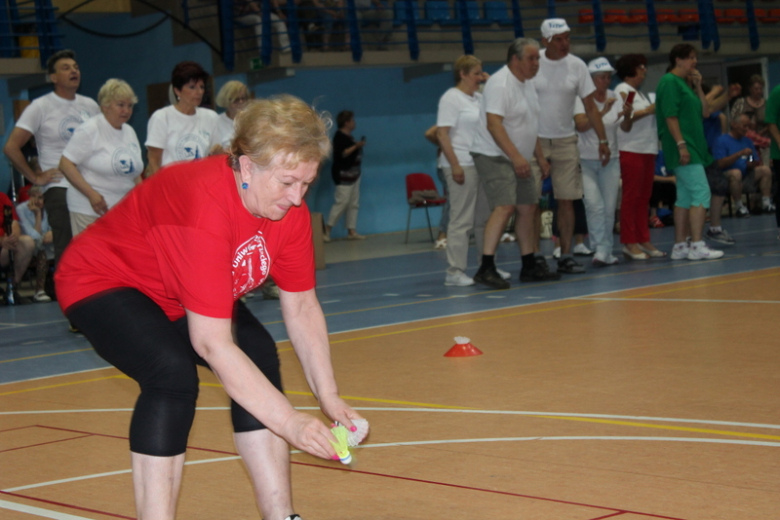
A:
(240, 100)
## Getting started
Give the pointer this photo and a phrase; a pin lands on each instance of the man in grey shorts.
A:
(562, 78)
(503, 148)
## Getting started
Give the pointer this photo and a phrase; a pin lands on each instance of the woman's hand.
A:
(685, 156)
(309, 434)
(338, 410)
(458, 175)
(98, 203)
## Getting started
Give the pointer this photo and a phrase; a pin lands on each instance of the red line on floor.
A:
(45, 443)
(17, 428)
(507, 493)
(70, 506)
(609, 516)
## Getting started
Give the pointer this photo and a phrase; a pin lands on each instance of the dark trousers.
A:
(56, 204)
(131, 332)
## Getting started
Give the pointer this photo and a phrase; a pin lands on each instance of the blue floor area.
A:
(35, 342)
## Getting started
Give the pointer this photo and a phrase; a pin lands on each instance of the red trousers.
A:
(636, 171)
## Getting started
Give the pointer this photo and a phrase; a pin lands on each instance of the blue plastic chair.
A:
(438, 11)
(496, 11)
(472, 8)
(399, 14)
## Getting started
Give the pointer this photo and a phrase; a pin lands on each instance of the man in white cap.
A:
(503, 148)
(561, 79)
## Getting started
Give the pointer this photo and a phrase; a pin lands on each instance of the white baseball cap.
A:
(553, 26)
(600, 65)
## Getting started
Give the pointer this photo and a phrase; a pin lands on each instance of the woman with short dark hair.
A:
(346, 171)
(183, 131)
(638, 150)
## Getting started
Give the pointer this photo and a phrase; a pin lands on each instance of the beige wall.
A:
(98, 6)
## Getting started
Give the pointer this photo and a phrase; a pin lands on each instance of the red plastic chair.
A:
(24, 194)
(738, 15)
(586, 16)
(666, 15)
(637, 16)
(615, 16)
(771, 16)
(689, 15)
(421, 182)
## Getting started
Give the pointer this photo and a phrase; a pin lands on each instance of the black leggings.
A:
(131, 332)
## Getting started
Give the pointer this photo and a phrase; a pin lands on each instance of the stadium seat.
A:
(439, 12)
(496, 11)
(586, 16)
(666, 16)
(689, 15)
(768, 15)
(423, 184)
(472, 8)
(399, 14)
(738, 15)
(615, 16)
(638, 16)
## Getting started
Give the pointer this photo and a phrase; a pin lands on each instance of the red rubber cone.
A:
(463, 348)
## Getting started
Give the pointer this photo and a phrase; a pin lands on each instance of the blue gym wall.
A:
(391, 113)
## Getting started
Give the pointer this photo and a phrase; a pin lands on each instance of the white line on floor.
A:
(671, 300)
(37, 511)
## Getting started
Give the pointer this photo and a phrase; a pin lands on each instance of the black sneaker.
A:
(491, 278)
(538, 274)
(541, 263)
(570, 266)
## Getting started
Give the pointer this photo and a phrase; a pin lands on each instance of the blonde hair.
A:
(229, 92)
(115, 89)
(280, 126)
(464, 64)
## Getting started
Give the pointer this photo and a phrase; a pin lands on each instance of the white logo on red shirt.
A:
(251, 265)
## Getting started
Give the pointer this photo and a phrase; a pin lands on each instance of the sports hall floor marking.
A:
(45, 355)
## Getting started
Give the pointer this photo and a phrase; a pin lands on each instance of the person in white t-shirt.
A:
(456, 121)
(52, 119)
(232, 97)
(505, 143)
(562, 78)
(103, 159)
(183, 131)
(638, 151)
(600, 183)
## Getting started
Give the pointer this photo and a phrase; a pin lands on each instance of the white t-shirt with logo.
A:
(182, 137)
(643, 137)
(558, 83)
(516, 101)
(225, 131)
(459, 112)
(107, 158)
(588, 143)
(52, 120)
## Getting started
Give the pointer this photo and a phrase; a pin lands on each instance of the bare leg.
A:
(698, 215)
(716, 206)
(267, 458)
(156, 481)
(764, 178)
(524, 228)
(681, 224)
(495, 228)
(735, 188)
(565, 224)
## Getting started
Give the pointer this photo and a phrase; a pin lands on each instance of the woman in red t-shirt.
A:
(155, 286)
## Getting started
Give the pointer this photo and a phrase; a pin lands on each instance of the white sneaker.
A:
(503, 274)
(508, 237)
(680, 251)
(581, 250)
(41, 296)
(459, 279)
(326, 237)
(441, 243)
(557, 252)
(700, 251)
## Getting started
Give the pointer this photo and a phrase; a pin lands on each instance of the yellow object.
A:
(341, 446)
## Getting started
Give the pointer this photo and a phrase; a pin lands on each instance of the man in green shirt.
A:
(773, 119)
(679, 113)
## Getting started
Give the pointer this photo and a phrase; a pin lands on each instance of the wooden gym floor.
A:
(644, 391)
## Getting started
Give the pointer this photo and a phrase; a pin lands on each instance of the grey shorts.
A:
(502, 186)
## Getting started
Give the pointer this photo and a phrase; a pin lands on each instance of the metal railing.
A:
(28, 29)
(313, 25)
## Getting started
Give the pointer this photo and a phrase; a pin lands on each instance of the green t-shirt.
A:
(773, 117)
(674, 98)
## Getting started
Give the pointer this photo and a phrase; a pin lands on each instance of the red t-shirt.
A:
(5, 201)
(185, 239)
